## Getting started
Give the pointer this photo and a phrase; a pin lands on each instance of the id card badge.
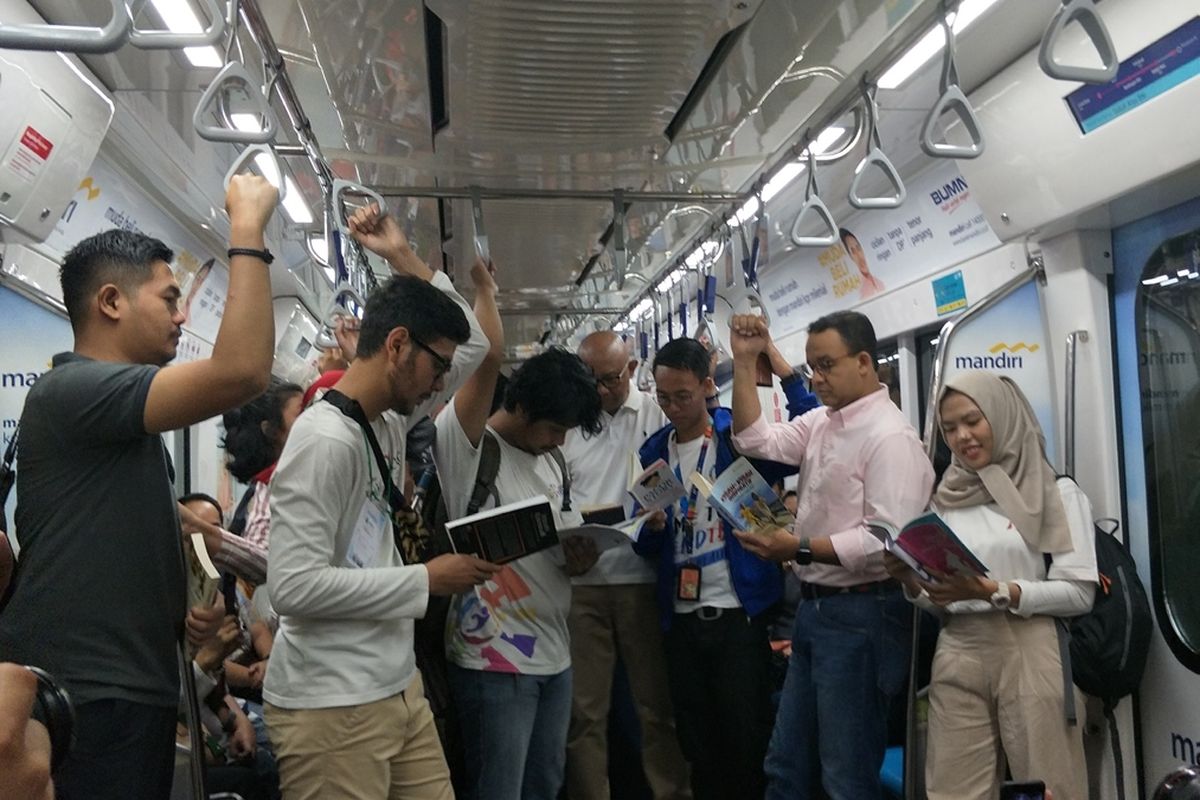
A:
(687, 586)
(372, 525)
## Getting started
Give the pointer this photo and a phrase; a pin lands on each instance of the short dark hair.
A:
(557, 386)
(201, 497)
(686, 354)
(855, 329)
(124, 258)
(251, 449)
(407, 302)
(844, 234)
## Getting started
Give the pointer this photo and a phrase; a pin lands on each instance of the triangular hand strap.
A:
(952, 99)
(1084, 12)
(879, 159)
(233, 73)
(814, 205)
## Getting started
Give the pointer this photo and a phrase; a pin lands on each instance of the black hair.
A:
(555, 385)
(843, 234)
(201, 497)
(686, 354)
(116, 256)
(855, 329)
(789, 493)
(251, 449)
(408, 302)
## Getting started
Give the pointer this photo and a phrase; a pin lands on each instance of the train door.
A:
(1157, 310)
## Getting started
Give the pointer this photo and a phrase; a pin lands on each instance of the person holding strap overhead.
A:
(997, 689)
(859, 458)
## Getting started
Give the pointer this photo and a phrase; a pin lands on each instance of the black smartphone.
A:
(1023, 790)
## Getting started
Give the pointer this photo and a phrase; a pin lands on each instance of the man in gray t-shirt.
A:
(99, 593)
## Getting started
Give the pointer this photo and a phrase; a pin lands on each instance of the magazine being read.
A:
(926, 544)
(744, 499)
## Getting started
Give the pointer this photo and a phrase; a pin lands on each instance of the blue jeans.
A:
(514, 731)
(849, 661)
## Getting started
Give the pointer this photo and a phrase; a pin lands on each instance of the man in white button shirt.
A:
(613, 606)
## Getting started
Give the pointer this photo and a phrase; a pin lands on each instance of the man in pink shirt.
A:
(859, 459)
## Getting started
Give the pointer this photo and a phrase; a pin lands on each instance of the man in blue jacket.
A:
(713, 594)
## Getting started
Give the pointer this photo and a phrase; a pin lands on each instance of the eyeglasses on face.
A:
(823, 366)
(678, 399)
(441, 364)
(611, 381)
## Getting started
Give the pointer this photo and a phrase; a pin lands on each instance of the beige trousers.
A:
(386, 749)
(997, 695)
(603, 621)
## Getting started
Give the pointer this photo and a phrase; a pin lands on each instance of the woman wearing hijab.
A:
(997, 693)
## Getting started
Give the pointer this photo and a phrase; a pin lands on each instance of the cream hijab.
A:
(1019, 479)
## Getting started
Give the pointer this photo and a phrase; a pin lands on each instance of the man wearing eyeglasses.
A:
(713, 595)
(613, 605)
(344, 701)
(859, 459)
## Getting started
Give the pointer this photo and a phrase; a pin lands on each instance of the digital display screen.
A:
(1143, 76)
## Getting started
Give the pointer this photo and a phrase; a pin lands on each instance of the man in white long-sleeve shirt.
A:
(345, 707)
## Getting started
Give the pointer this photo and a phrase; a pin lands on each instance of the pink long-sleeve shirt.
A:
(861, 462)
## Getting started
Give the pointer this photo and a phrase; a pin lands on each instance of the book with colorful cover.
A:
(506, 533)
(927, 543)
(657, 488)
(744, 499)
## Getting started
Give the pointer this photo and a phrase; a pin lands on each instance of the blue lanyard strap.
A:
(689, 504)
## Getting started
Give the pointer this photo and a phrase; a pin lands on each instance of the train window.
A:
(1168, 321)
(888, 364)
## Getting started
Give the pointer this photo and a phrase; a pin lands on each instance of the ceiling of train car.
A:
(570, 95)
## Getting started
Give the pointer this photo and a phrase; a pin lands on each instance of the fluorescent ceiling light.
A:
(932, 43)
(641, 309)
(246, 122)
(1157, 279)
(178, 16)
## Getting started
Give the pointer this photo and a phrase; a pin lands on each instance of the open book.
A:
(506, 533)
(927, 543)
(657, 488)
(743, 499)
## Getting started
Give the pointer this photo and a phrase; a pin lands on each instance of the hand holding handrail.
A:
(249, 158)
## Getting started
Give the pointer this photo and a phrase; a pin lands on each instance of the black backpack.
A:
(1110, 643)
(1106, 648)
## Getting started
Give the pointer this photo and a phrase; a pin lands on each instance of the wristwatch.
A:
(804, 553)
(1002, 598)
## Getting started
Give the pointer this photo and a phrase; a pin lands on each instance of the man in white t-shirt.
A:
(344, 704)
(507, 642)
(613, 605)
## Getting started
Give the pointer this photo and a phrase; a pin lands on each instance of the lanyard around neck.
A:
(689, 504)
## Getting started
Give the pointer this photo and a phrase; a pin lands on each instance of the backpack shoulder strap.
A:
(485, 473)
(561, 461)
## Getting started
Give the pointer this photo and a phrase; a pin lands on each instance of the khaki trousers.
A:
(386, 749)
(997, 694)
(603, 621)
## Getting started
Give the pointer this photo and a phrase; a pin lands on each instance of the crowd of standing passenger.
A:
(307, 652)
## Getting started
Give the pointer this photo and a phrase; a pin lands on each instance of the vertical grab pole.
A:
(1073, 340)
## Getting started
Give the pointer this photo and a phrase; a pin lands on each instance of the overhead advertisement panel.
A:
(939, 225)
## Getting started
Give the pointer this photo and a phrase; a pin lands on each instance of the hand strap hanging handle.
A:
(1084, 12)
(875, 157)
(951, 99)
(814, 206)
